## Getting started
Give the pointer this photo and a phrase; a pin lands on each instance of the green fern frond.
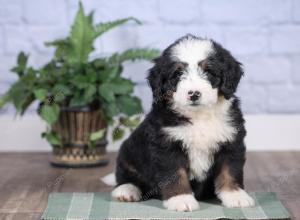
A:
(58, 42)
(61, 45)
(91, 17)
(4, 99)
(133, 54)
(103, 27)
(81, 38)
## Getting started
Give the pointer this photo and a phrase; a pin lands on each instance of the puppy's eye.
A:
(203, 64)
(179, 68)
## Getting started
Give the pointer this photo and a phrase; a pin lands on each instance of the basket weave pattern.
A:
(75, 128)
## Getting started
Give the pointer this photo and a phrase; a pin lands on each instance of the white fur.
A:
(127, 193)
(109, 179)
(210, 119)
(191, 51)
(236, 198)
(193, 80)
(210, 126)
(182, 203)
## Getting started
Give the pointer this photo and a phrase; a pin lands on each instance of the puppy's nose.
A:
(194, 95)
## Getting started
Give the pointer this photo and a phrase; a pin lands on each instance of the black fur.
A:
(149, 160)
(223, 67)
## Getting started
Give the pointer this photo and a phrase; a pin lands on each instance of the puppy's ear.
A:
(228, 69)
(231, 78)
(155, 79)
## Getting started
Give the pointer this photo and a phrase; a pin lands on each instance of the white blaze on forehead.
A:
(192, 50)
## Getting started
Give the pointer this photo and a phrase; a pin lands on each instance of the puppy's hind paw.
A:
(182, 203)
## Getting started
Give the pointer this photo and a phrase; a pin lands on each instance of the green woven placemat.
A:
(98, 206)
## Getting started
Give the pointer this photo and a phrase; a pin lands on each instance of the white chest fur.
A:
(208, 127)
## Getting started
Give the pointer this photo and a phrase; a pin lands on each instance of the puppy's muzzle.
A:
(194, 95)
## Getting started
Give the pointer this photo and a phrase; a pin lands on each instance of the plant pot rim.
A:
(101, 144)
(79, 108)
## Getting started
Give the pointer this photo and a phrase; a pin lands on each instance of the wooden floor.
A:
(26, 179)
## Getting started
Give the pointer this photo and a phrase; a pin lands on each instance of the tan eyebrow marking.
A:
(180, 65)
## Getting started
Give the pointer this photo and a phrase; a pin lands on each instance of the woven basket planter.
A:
(75, 126)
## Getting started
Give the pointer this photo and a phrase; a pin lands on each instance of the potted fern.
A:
(79, 97)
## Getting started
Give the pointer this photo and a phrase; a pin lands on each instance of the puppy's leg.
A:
(127, 193)
(229, 191)
(128, 181)
(176, 192)
(203, 190)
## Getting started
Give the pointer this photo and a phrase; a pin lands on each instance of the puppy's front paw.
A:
(236, 198)
(182, 203)
(127, 193)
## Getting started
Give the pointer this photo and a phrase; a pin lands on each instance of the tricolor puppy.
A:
(191, 144)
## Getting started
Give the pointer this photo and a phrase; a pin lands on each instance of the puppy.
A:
(191, 144)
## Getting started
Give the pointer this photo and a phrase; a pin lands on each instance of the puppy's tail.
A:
(109, 179)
